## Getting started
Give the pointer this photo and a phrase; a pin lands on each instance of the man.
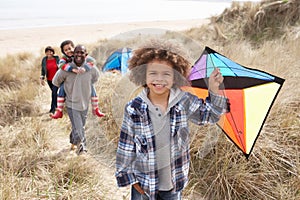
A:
(78, 93)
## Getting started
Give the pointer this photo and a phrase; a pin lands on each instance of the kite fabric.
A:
(118, 60)
(251, 94)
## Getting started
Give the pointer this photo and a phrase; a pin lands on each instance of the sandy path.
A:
(60, 146)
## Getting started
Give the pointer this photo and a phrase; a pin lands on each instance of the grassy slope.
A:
(35, 161)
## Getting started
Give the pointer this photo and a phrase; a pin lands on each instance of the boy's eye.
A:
(152, 73)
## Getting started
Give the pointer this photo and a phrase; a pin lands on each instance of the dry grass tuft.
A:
(18, 87)
(16, 104)
(114, 91)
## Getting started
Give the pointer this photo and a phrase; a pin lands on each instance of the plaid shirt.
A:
(136, 157)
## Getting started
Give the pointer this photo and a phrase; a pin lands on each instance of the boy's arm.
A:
(210, 110)
(90, 62)
(215, 105)
(125, 153)
(64, 64)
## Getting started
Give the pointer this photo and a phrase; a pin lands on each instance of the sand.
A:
(34, 40)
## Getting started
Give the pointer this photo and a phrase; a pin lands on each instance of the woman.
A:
(49, 68)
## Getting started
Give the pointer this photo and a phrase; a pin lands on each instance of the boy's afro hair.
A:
(156, 49)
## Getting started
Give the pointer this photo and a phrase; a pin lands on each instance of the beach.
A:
(34, 40)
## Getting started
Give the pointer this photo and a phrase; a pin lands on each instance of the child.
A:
(67, 48)
(153, 149)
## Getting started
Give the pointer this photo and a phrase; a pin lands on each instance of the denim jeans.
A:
(162, 195)
(61, 91)
(53, 96)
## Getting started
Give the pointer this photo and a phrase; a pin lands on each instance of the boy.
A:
(67, 48)
(153, 149)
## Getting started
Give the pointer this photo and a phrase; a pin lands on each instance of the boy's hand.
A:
(81, 70)
(138, 188)
(215, 80)
(75, 70)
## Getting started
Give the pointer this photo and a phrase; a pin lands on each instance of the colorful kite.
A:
(251, 94)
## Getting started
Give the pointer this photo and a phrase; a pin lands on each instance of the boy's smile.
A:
(159, 77)
(68, 50)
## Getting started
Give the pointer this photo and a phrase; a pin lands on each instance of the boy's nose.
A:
(161, 77)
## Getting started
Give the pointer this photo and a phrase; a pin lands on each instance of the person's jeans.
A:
(53, 96)
(162, 195)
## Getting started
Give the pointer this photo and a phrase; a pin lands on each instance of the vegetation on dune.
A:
(264, 21)
(18, 87)
(34, 163)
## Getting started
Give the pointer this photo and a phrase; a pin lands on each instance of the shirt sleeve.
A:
(64, 65)
(210, 110)
(95, 75)
(58, 78)
(43, 67)
(90, 60)
(125, 153)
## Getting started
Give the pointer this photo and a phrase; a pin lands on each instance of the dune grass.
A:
(35, 162)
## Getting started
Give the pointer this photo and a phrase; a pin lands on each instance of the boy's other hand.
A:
(138, 188)
(215, 80)
(75, 70)
(81, 70)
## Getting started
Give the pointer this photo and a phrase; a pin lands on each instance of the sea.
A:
(17, 14)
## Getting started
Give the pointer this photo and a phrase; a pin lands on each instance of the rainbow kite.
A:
(251, 94)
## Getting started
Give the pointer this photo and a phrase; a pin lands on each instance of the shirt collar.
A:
(175, 96)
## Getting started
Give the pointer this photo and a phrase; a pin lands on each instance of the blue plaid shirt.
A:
(136, 157)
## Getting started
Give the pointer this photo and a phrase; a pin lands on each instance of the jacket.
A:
(136, 157)
(44, 67)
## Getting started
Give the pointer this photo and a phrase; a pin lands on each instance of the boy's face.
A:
(79, 55)
(159, 77)
(68, 50)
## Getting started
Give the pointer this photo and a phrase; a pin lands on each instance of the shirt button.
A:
(156, 109)
(159, 115)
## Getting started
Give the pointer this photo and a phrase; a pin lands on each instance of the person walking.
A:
(49, 67)
(78, 94)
